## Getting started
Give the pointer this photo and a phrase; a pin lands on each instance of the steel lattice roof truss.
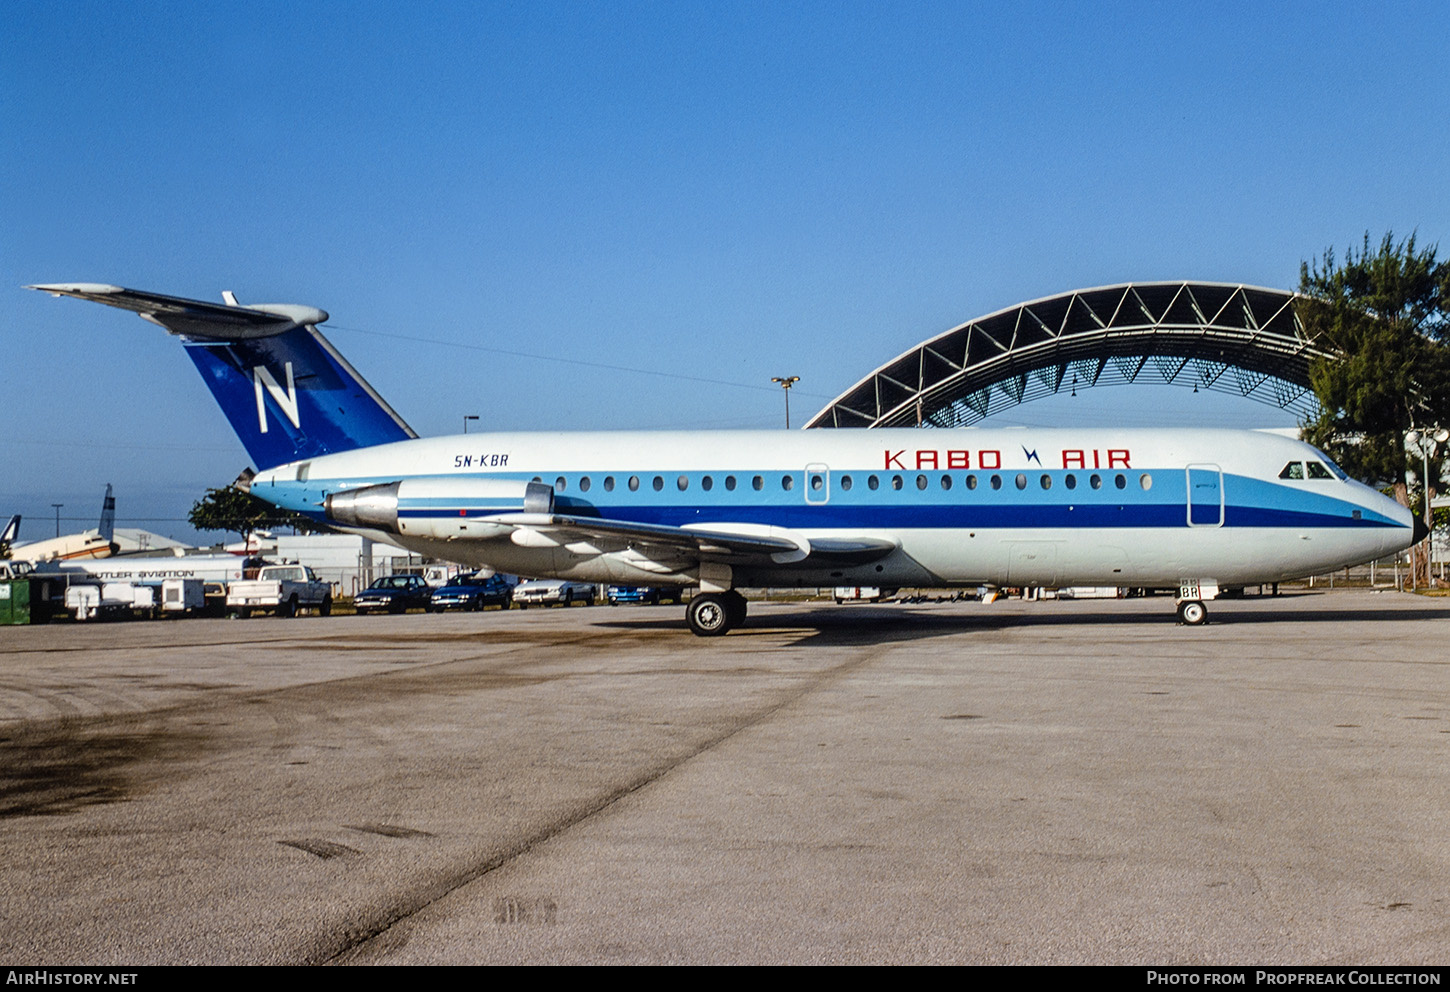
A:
(1242, 340)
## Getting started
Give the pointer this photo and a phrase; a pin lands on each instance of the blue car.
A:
(473, 592)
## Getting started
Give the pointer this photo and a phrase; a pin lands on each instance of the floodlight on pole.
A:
(57, 517)
(786, 381)
(1426, 441)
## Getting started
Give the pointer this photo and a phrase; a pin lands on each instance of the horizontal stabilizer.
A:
(194, 318)
(287, 392)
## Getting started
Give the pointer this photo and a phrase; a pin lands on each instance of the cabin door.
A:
(1205, 496)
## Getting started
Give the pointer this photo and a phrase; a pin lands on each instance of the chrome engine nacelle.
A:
(436, 507)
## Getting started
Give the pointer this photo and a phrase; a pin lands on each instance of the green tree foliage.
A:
(230, 509)
(1386, 312)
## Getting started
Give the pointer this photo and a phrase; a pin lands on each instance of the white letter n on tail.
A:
(287, 399)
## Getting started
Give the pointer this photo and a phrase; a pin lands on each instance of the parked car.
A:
(395, 594)
(644, 594)
(542, 592)
(473, 592)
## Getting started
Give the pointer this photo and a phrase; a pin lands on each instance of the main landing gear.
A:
(712, 614)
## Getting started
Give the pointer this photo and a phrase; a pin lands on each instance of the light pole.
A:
(1426, 441)
(466, 420)
(57, 517)
(786, 381)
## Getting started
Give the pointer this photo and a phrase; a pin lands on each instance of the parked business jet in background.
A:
(1195, 509)
(98, 543)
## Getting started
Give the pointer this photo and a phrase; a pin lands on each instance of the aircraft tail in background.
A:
(106, 528)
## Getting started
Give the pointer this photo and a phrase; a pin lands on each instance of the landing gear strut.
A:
(712, 614)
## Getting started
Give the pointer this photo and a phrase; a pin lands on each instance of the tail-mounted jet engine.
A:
(441, 508)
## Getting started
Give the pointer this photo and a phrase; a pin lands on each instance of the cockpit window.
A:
(1318, 471)
(1294, 470)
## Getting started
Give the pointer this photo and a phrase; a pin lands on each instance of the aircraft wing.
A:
(707, 542)
(194, 318)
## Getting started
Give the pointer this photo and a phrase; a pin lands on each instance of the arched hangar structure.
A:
(1243, 340)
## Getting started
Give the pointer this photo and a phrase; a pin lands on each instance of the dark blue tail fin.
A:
(287, 391)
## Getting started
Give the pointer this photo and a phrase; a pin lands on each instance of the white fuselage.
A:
(963, 507)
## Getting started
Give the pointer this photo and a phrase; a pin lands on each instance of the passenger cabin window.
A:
(872, 482)
(1294, 470)
(786, 482)
(683, 482)
(1070, 481)
(584, 484)
(921, 482)
(658, 483)
(846, 482)
(560, 484)
(971, 482)
(633, 483)
(757, 483)
(897, 482)
(707, 483)
(1021, 481)
(609, 483)
(730, 483)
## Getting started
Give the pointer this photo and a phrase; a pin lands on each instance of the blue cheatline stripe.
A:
(1134, 516)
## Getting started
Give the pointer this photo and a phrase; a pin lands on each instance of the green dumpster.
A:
(14, 601)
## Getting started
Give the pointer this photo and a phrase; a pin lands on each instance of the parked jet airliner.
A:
(1196, 509)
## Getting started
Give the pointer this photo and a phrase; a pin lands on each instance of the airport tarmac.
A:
(1055, 782)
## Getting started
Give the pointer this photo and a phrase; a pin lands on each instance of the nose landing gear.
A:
(1192, 612)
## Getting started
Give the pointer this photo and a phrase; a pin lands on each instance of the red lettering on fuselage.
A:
(1077, 458)
(930, 460)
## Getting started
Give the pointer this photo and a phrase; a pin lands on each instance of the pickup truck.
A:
(283, 589)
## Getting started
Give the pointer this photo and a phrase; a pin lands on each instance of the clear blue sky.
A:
(725, 191)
